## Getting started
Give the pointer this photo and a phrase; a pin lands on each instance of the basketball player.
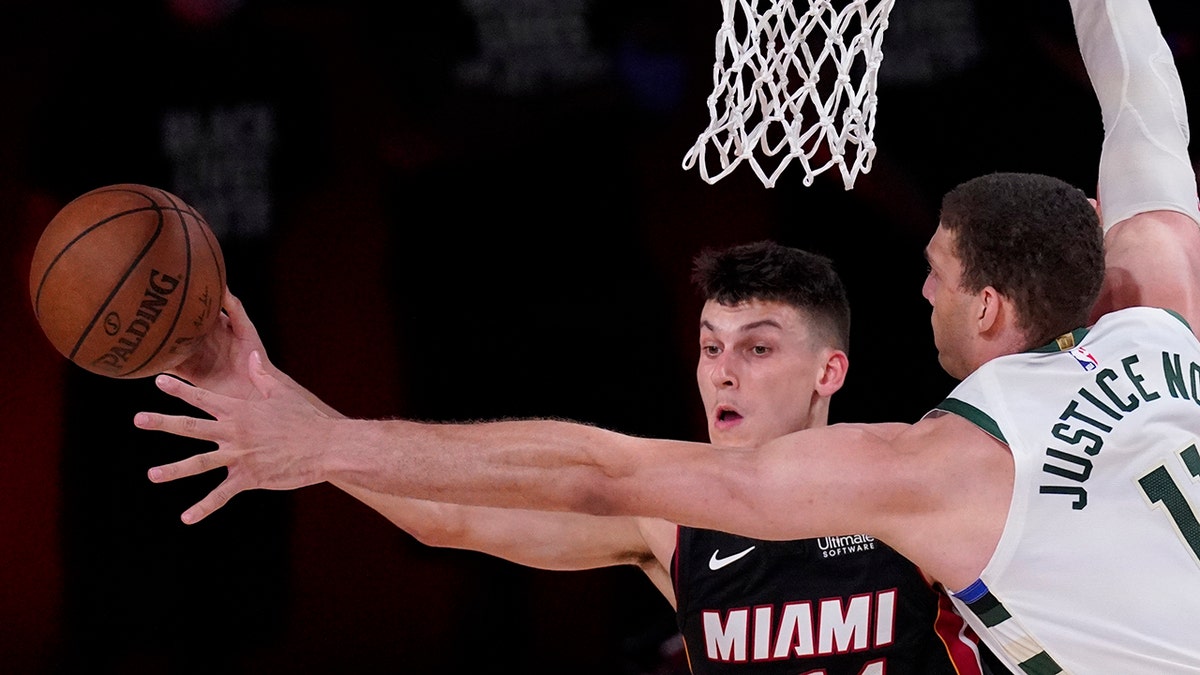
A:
(1055, 491)
(773, 336)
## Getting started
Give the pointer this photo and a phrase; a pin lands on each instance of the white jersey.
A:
(1098, 568)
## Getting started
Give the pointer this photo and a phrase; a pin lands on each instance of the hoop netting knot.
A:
(768, 107)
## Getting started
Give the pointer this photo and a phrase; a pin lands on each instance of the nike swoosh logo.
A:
(715, 563)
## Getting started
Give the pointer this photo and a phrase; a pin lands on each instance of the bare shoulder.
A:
(925, 461)
(947, 441)
(964, 479)
(937, 491)
(889, 430)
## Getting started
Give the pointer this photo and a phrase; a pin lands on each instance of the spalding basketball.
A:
(126, 279)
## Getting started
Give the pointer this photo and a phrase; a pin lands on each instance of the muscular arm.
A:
(541, 539)
(1147, 183)
(836, 480)
(546, 540)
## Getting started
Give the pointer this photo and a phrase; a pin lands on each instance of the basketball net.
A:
(790, 85)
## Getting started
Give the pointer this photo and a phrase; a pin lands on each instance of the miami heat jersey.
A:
(1098, 567)
(829, 606)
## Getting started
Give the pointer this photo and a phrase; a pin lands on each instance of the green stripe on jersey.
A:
(1041, 664)
(1020, 646)
(973, 415)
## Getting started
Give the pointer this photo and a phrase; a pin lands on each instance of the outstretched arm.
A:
(1147, 185)
(559, 541)
(843, 479)
(542, 539)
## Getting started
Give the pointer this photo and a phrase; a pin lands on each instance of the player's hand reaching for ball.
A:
(219, 364)
(272, 440)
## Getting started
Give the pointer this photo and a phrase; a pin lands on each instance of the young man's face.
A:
(757, 372)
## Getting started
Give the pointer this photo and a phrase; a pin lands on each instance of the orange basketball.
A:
(125, 280)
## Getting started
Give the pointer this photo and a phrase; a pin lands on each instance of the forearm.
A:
(541, 539)
(282, 440)
(438, 524)
(1144, 162)
(545, 465)
(538, 464)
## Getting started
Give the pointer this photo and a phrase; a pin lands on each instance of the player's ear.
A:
(992, 307)
(833, 375)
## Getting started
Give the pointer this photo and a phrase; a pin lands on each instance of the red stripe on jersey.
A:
(962, 645)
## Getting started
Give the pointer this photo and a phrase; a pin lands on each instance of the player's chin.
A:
(727, 429)
(953, 366)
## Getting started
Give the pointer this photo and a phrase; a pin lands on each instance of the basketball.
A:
(126, 279)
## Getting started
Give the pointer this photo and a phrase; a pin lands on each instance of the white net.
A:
(791, 85)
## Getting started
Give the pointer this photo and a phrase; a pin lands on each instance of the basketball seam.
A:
(120, 282)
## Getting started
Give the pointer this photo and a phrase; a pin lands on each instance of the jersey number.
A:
(1160, 487)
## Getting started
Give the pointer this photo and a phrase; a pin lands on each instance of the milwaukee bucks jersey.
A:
(1098, 567)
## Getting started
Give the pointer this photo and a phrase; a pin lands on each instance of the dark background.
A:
(446, 211)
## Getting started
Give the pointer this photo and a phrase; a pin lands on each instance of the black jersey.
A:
(830, 606)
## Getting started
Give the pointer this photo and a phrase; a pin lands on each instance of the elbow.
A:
(596, 494)
(595, 502)
(608, 483)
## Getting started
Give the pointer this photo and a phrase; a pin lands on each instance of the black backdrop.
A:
(451, 211)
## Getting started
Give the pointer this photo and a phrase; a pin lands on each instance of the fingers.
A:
(210, 402)
(205, 507)
(181, 425)
(194, 466)
(233, 307)
(215, 500)
(239, 321)
(228, 300)
(178, 425)
(185, 468)
(219, 407)
(230, 418)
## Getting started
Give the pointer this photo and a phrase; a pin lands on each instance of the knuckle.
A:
(205, 462)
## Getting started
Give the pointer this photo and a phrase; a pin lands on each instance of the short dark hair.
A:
(1035, 239)
(769, 271)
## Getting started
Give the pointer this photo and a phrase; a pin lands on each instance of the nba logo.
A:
(1085, 358)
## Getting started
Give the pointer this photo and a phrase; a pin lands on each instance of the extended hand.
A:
(272, 440)
(219, 364)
